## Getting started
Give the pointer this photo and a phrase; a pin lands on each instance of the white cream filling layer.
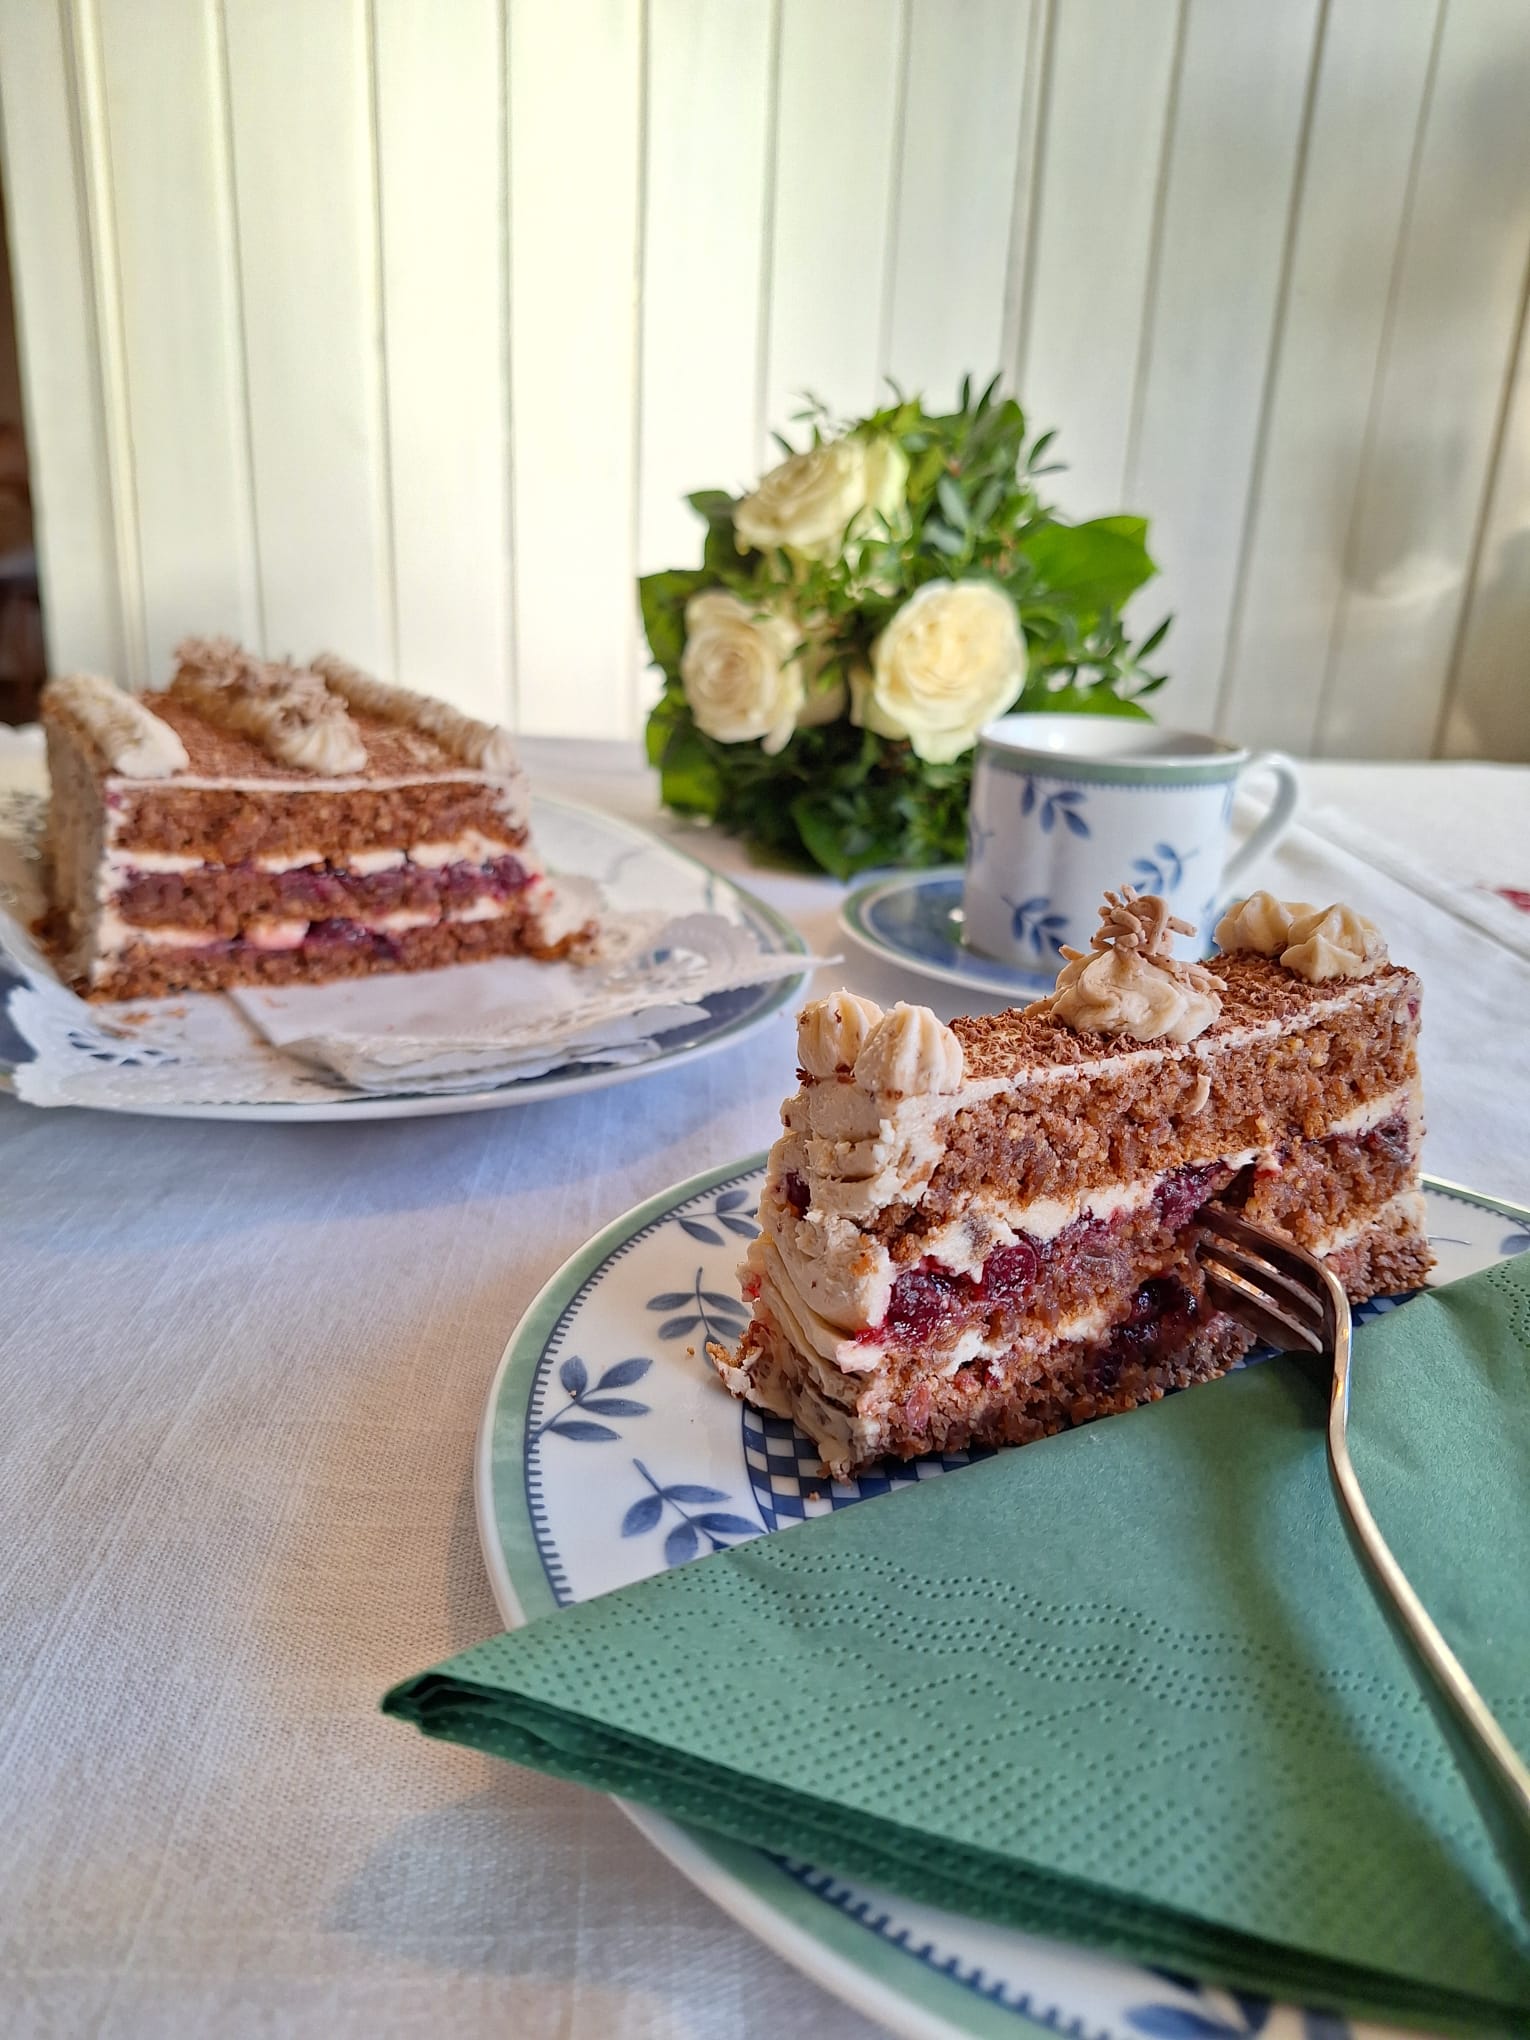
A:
(846, 1275)
(116, 935)
(471, 847)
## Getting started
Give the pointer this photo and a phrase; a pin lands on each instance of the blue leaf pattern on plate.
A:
(574, 1379)
(707, 1311)
(732, 1210)
(683, 1540)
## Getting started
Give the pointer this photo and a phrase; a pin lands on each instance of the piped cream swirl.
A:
(832, 1032)
(285, 709)
(486, 747)
(1334, 942)
(910, 1053)
(132, 739)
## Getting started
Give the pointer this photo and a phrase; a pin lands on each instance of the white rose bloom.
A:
(739, 676)
(810, 500)
(950, 660)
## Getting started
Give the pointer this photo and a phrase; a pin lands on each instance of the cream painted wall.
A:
(404, 327)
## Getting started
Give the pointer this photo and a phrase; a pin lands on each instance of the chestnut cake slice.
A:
(263, 823)
(983, 1233)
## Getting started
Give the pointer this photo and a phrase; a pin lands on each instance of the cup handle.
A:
(1288, 794)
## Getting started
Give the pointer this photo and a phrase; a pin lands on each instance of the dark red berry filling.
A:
(929, 1300)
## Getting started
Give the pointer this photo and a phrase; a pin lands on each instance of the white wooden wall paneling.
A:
(441, 172)
(838, 130)
(1109, 99)
(1487, 709)
(964, 74)
(51, 254)
(405, 328)
(1239, 122)
(1439, 396)
(711, 83)
(1374, 73)
(574, 112)
(161, 79)
(301, 108)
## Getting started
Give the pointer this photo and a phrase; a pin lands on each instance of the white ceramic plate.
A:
(602, 1375)
(634, 869)
(914, 919)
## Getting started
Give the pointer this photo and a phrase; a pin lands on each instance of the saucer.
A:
(914, 918)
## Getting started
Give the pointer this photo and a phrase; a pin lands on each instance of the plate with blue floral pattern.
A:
(914, 919)
(609, 1451)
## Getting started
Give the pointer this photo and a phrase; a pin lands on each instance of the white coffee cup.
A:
(1066, 807)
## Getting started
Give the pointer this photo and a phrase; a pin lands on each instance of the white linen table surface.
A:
(243, 1368)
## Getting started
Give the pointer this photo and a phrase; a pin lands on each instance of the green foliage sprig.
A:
(844, 797)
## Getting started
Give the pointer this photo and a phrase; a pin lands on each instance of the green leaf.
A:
(1098, 565)
(662, 598)
(944, 539)
(1096, 700)
(715, 506)
(953, 503)
(689, 780)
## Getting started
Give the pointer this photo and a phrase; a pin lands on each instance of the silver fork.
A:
(1286, 1295)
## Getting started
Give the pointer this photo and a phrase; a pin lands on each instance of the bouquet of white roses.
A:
(861, 614)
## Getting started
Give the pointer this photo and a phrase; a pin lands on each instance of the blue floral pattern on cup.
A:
(1051, 808)
(1033, 923)
(1069, 807)
(1163, 871)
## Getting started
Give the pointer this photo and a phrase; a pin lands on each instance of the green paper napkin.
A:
(1126, 1687)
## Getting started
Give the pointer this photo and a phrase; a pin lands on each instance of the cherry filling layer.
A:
(1091, 1259)
(236, 892)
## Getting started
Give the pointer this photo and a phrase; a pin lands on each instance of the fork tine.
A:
(1235, 1230)
(1288, 1291)
(1276, 1322)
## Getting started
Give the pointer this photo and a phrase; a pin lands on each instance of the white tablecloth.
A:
(242, 1371)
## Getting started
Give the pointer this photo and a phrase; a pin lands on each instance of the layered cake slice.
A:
(980, 1233)
(265, 823)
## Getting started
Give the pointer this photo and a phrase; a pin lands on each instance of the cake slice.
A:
(983, 1233)
(265, 823)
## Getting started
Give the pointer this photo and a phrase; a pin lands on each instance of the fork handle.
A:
(1496, 1774)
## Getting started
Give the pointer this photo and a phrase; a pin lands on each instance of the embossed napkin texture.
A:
(1126, 1687)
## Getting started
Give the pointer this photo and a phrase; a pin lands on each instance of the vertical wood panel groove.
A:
(635, 703)
(83, 44)
(224, 116)
(386, 507)
(1271, 370)
(1029, 185)
(507, 382)
(1472, 581)
(1155, 255)
(1378, 385)
(762, 419)
(895, 191)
